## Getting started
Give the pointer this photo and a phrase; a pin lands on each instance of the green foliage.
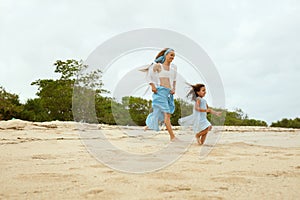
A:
(137, 108)
(287, 123)
(239, 118)
(131, 111)
(10, 106)
(182, 108)
(68, 68)
(104, 107)
(55, 96)
(34, 111)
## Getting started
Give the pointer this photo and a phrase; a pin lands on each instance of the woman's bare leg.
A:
(168, 125)
(145, 128)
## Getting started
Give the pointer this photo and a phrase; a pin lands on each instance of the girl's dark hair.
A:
(193, 92)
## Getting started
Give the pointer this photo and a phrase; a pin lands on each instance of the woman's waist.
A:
(165, 84)
(163, 87)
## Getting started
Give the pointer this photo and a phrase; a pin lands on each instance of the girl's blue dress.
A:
(198, 120)
(162, 102)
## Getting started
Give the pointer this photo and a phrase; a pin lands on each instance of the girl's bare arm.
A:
(197, 107)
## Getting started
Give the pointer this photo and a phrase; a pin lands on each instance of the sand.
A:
(50, 161)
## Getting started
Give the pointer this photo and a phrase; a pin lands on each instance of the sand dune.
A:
(49, 160)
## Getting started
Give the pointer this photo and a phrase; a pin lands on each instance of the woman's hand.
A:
(172, 91)
(154, 90)
(157, 68)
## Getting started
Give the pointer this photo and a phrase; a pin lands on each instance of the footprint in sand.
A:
(170, 188)
(94, 191)
(98, 193)
(232, 179)
(46, 177)
(43, 156)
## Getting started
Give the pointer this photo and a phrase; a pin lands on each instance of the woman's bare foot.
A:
(145, 128)
(174, 139)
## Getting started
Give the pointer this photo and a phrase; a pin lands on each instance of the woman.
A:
(162, 79)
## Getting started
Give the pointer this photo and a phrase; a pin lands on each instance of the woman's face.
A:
(170, 56)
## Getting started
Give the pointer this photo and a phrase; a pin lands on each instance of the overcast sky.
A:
(254, 44)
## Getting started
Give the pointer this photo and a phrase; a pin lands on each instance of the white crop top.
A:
(153, 77)
(164, 73)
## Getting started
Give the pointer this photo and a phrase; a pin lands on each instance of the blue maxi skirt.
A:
(162, 102)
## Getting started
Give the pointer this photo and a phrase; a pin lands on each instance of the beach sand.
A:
(50, 161)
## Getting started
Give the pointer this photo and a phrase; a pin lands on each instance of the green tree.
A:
(136, 110)
(34, 111)
(10, 106)
(182, 109)
(287, 123)
(239, 118)
(104, 108)
(56, 98)
(56, 95)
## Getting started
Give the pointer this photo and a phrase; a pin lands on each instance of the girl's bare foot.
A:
(199, 140)
(145, 128)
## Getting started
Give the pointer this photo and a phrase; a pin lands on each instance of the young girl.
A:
(198, 119)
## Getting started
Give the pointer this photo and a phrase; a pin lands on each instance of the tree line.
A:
(55, 101)
(287, 123)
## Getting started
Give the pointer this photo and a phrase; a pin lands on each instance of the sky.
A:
(253, 44)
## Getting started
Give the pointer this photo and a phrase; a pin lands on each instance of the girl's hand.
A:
(172, 91)
(208, 110)
(218, 114)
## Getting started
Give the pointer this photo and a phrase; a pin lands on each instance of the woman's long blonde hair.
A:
(161, 53)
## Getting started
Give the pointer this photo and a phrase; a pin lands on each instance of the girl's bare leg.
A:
(168, 125)
(203, 138)
(202, 134)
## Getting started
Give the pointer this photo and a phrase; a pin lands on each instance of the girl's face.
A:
(202, 92)
(170, 56)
